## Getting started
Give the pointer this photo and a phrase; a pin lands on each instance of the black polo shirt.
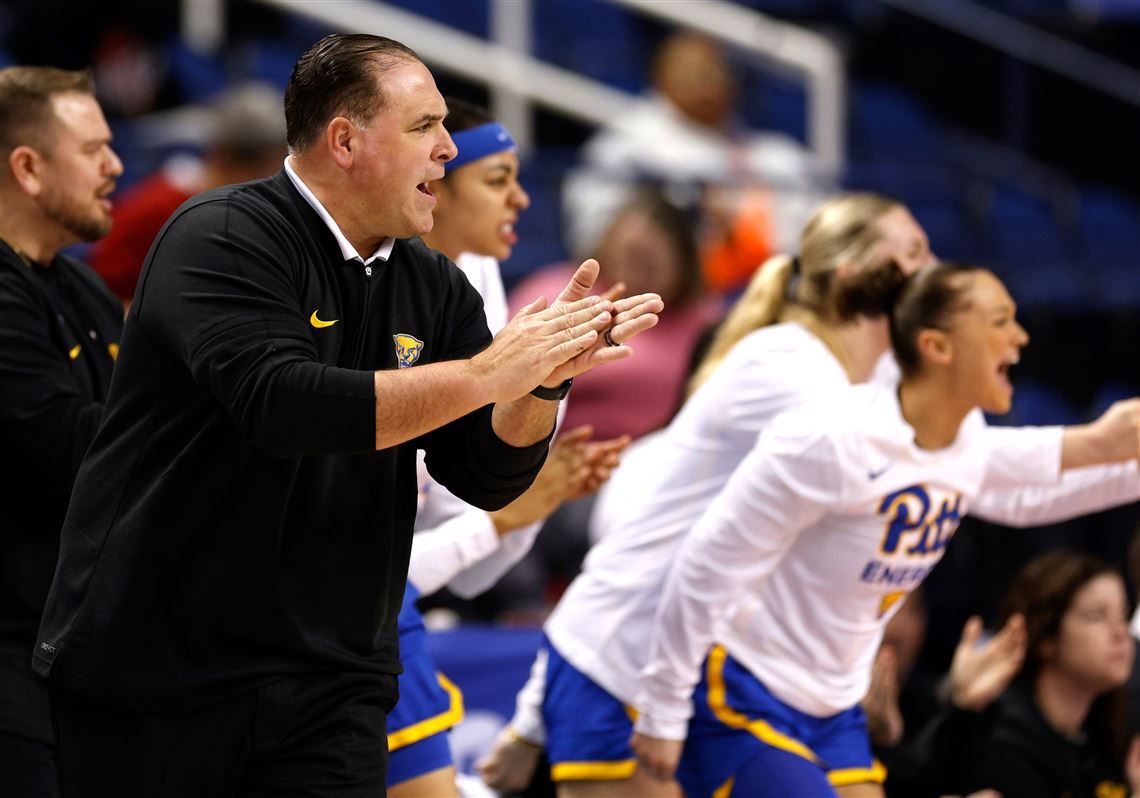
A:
(59, 332)
(232, 521)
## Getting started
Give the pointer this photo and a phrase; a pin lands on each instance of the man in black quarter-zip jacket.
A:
(59, 332)
(223, 615)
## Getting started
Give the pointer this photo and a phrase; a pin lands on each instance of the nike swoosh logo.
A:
(313, 320)
(873, 475)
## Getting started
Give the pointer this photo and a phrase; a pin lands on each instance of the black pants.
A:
(27, 769)
(311, 736)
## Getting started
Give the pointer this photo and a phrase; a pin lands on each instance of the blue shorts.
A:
(587, 729)
(429, 705)
(736, 719)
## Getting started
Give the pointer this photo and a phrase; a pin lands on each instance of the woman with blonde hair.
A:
(797, 334)
(848, 235)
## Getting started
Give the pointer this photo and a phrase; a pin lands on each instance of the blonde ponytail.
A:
(761, 304)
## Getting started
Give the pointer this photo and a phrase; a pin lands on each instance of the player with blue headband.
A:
(478, 203)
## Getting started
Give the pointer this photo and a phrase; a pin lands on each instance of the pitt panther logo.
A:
(910, 517)
(408, 349)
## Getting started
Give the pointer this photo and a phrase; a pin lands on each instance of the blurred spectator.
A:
(923, 735)
(122, 40)
(246, 141)
(58, 342)
(1058, 730)
(648, 246)
(756, 189)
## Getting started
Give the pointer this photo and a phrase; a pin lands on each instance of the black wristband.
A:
(553, 394)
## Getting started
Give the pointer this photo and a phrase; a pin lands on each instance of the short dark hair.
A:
(337, 76)
(464, 115)
(25, 102)
(926, 300)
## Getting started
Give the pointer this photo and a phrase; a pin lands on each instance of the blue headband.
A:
(479, 142)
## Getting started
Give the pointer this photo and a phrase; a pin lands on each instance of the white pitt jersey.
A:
(602, 624)
(816, 540)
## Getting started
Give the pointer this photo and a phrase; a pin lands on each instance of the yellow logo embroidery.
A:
(890, 600)
(1111, 789)
(318, 323)
(73, 352)
(114, 350)
(408, 349)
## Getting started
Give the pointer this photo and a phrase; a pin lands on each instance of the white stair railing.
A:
(516, 78)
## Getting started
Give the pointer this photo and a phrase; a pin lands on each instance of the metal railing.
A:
(517, 79)
(1015, 38)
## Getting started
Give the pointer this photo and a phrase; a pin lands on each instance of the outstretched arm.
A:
(1043, 475)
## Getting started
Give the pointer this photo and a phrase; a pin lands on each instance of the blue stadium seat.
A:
(470, 16)
(1037, 404)
(769, 102)
(889, 124)
(597, 39)
(197, 76)
(1109, 245)
(1029, 251)
(1109, 393)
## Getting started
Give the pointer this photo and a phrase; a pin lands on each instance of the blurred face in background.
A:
(637, 252)
(1093, 647)
(902, 240)
(691, 71)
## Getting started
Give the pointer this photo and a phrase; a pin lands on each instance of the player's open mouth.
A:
(1003, 373)
(423, 189)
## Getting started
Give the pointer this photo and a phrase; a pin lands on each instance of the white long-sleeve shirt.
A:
(602, 624)
(456, 544)
(815, 542)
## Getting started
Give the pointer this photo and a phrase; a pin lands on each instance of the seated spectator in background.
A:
(648, 243)
(246, 142)
(1058, 730)
(59, 336)
(922, 729)
(756, 189)
(648, 246)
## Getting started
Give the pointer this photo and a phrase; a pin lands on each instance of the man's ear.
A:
(27, 168)
(935, 346)
(340, 138)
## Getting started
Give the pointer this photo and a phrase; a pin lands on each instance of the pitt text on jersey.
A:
(914, 538)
